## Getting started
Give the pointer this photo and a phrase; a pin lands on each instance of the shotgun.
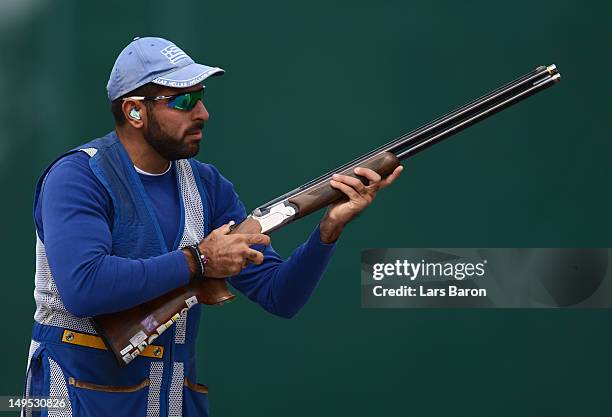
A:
(127, 333)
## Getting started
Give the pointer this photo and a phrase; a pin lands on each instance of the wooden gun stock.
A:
(128, 332)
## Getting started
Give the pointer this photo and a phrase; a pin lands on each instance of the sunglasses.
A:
(184, 101)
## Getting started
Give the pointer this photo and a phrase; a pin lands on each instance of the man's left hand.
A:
(359, 197)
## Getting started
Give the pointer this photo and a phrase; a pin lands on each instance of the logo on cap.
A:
(174, 54)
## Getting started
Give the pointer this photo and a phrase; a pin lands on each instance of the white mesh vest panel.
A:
(58, 388)
(155, 380)
(50, 309)
(175, 405)
(33, 346)
(193, 231)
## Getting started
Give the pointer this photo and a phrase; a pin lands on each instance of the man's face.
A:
(175, 134)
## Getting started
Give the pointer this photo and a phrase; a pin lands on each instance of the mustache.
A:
(195, 128)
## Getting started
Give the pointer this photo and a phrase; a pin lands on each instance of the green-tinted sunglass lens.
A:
(186, 101)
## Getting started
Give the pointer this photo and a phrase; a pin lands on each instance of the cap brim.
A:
(187, 76)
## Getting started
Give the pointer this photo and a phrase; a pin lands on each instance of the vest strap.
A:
(96, 342)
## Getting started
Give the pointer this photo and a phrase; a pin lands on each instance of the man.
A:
(115, 219)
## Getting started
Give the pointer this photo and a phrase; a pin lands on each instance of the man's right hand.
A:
(228, 254)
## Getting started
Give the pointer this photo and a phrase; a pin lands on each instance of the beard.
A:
(169, 147)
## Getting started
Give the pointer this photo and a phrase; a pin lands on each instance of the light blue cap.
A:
(155, 60)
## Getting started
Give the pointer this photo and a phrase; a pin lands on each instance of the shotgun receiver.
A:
(128, 332)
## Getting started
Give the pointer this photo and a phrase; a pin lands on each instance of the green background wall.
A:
(309, 86)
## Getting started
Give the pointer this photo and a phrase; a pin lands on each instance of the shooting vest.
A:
(68, 359)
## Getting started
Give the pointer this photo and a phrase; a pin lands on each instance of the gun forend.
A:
(302, 202)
